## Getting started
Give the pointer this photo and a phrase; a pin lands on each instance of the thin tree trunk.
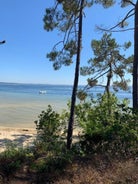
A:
(109, 77)
(76, 80)
(135, 64)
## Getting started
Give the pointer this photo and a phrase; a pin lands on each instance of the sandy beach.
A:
(18, 136)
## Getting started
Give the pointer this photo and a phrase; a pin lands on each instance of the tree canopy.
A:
(108, 61)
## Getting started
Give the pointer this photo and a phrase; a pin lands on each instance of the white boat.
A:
(42, 92)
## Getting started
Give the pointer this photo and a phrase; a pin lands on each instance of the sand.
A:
(21, 137)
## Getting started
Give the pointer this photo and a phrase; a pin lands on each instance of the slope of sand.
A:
(18, 136)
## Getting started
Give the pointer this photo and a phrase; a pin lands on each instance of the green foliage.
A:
(127, 45)
(53, 164)
(64, 16)
(64, 57)
(105, 3)
(114, 131)
(48, 123)
(81, 95)
(122, 85)
(49, 131)
(11, 160)
(125, 3)
(50, 148)
(108, 62)
(109, 3)
(50, 22)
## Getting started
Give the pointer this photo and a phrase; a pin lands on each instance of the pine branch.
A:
(128, 1)
(113, 31)
(128, 15)
(2, 42)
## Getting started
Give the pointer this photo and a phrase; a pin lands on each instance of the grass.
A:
(100, 171)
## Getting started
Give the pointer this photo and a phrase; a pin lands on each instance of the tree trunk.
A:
(109, 77)
(135, 64)
(76, 80)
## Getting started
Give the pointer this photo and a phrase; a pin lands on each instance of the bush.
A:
(108, 126)
(52, 163)
(49, 130)
(11, 160)
(50, 146)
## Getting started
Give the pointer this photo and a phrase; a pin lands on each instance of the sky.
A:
(23, 56)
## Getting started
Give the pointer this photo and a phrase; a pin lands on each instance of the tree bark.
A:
(135, 64)
(76, 79)
(109, 77)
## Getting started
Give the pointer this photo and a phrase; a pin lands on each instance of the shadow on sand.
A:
(19, 140)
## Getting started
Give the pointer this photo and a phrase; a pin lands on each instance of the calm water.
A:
(20, 104)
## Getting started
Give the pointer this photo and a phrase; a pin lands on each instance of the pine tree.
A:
(66, 16)
(123, 23)
(108, 62)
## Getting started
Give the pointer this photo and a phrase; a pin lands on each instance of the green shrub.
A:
(53, 163)
(48, 128)
(11, 160)
(50, 133)
(50, 146)
(107, 129)
(48, 124)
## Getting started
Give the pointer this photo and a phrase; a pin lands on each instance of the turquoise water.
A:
(20, 104)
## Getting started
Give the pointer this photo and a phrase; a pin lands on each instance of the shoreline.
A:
(20, 137)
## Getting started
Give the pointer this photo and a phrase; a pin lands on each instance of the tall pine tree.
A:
(66, 16)
(132, 12)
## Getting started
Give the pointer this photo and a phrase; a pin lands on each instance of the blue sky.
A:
(23, 57)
